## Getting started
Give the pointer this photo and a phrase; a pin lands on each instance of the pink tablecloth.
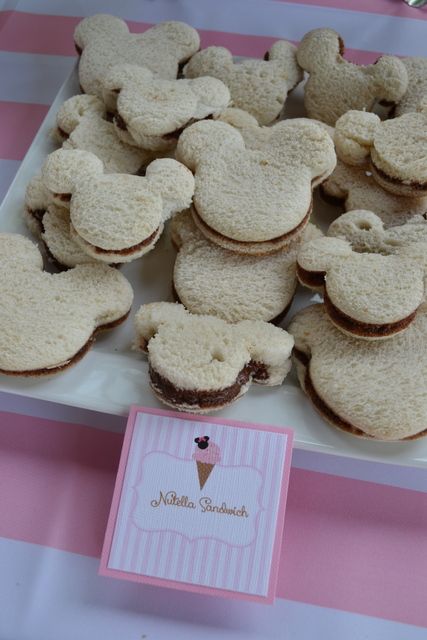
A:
(354, 562)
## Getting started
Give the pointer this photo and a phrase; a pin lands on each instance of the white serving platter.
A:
(111, 376)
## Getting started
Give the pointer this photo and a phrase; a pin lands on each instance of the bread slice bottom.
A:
(73, 360)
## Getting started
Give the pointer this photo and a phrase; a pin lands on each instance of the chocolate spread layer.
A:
(418, 186)
(278, 240)
(311, 278)
(128, 250)
(326, 411)
(204, 399)
(78, 49)
(365, 329)
(65, 197)
(37, 214)
(74, 359)
(119, 122)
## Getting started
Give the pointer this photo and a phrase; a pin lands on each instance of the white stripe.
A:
(29, 77)
(47, 594)
(402, 36)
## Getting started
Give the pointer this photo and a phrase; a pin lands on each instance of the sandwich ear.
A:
(270, 349)
(76, 108)
(212, 61)
(319, 48)
(150, 317)
(18, 250)
(362, 228)
(100, 25)
(211, 93)
(238, 118)
(285, 52)
(37, 197)
(315, 149)
(174, 182)
(321, 254)
(64, 168)
(391, 78)
(175, 38)
(354, 136)
(102, 288)
(121, 74)
(205, 138)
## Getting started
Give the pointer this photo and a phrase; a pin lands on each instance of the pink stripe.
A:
(19, 124)
(350, 545)
(53, 35)
(382, 7)
(56, 482)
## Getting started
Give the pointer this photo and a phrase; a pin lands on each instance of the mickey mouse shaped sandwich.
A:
(103, 41)
(116, 217)
(373, 390)
(255, 201)
(396, 149)
(336, 85)
(367, 295)
(49, 321)
(258, 86)
(202, 363)
(151, 112)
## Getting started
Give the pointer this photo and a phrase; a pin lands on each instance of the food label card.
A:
(199, 504)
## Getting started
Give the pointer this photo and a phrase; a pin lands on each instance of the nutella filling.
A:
(326, 411)
(62, 133)
(278, 240)
(127, 250)
(364, 328)
(78, 49)
(65, 197)
(419, 186)
(203, 399)
(311, 278)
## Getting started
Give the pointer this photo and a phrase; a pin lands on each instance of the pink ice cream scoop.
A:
(207, 455)
(206, 451)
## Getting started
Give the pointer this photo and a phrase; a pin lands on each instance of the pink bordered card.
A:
(199, 504)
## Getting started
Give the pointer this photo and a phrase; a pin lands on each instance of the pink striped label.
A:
(221, 536)
(349, 544)
(53, 35)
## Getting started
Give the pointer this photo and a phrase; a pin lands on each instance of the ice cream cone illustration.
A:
(207, 455)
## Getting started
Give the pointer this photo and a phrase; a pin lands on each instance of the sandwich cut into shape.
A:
(201, 363)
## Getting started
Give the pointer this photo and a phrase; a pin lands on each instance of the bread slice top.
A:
(336, 85)
(152, 107)
(367, 232)
(204, 353)
(358, 189)
(210, 280)
(255, 195)
(82, 124)
(368, 288)
(45, 318)
(378, 387)
(257, 86)
(105, 41)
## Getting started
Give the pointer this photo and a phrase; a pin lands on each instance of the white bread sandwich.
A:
(200, 363)
(372, 390)
(49, 321)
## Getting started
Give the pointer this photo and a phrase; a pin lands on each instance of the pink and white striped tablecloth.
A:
(354, 560)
